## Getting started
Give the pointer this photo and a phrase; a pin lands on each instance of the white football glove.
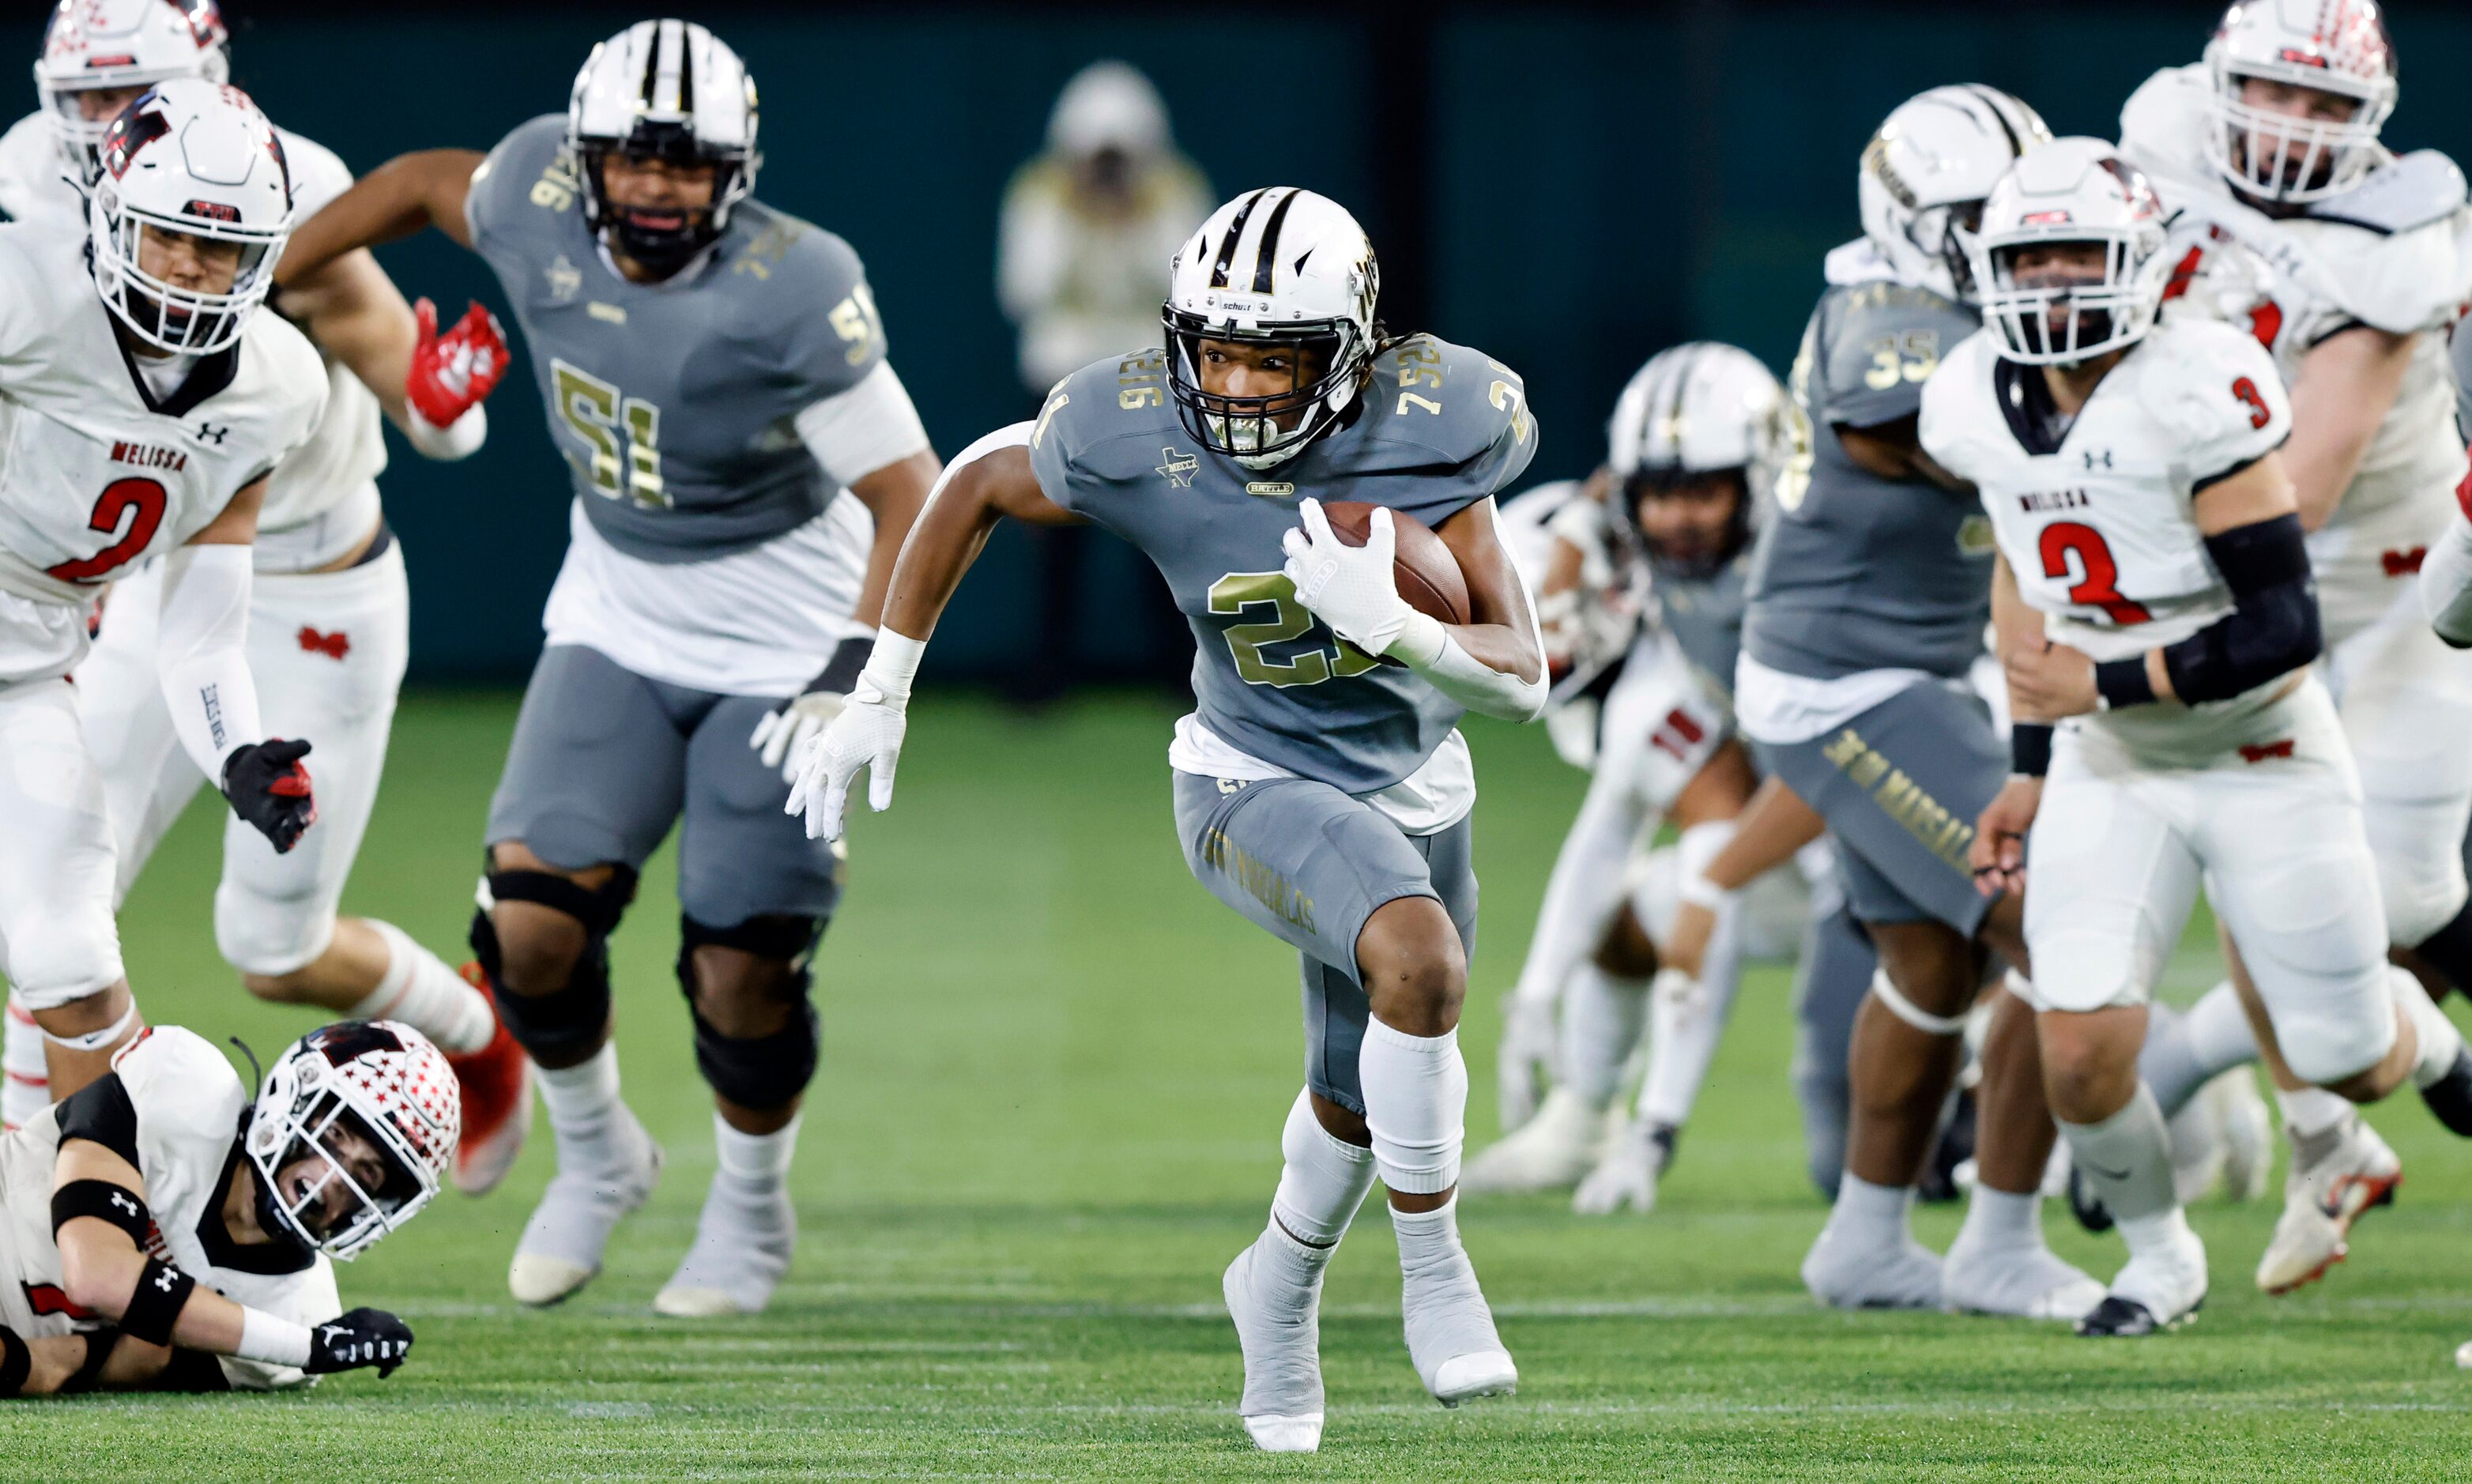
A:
(866, 733)
(1627, 1175)
(780, 737)
(1350, 588)
(1524, 1065)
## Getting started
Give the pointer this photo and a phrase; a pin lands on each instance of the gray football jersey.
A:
(1705, 615)
(1856, 572)
(674, 402)
(1439, 428)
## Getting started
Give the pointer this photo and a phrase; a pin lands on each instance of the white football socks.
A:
(2127, 1158)
(584, 1108)
(1871, 1214)
(423, 993)
(1323, 1184)
(2001, 1218)
(1600, 1025)
(1415, 1104)
(752, 1167)
(2311, 1110)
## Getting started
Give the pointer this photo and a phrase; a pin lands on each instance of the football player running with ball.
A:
(147, 403)
(145, 1244)
(2347, 264)
(329, 610)
(1321, 787)
(2158, 624)
(745, 464)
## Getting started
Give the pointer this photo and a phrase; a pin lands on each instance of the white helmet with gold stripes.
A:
(1285, 280)
(1925, 173)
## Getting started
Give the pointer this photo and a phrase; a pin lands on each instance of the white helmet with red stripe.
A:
(2338, 47)
(352, 1129)
(93, 45)
(193, 160)
(2074, 194)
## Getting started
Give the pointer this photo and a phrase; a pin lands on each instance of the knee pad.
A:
(2419, 851)
(2326, 1043)
(770, 1071)
(565, 1024)
(270, 936)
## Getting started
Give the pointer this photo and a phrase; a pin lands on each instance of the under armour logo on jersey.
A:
(334, 646)
(210, 432)
(2098, 459)
(1177, 468)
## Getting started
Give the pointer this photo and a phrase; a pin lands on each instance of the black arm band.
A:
(103, 1201)
(2273, 628)
(2123, 683)
(162, 1291)
(99, 1344)
(840, 672)
(16, 1362)
(2029, 748)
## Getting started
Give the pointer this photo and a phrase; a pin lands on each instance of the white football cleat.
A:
(1279, 1328)
(560, 1249)
(2321, 1199)
(1635, 1161)
(741, 1254)
(2158, 1290)
(2015, 1281)
(1844, 1275)
(1451, 1337)
(1550, 1151)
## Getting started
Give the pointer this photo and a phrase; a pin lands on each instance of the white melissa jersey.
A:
(188, 1103)
(2097, 522)
(2394, 253)
(324, 498)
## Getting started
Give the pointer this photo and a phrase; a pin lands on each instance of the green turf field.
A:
(1055, 1073)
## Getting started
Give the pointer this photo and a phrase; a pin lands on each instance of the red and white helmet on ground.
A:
(195, 159)
(1926, 171)
(1277, 267)
(95, 44)
(366, 1108)
(2071, 191)
(2333, 46)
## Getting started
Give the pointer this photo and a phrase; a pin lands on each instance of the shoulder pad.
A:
(2411, 191)
(774, 245)
(318, 175)
(2161, 127)
(1103, 421)
(167, 1057)
(2208, 385)
(1479, 402)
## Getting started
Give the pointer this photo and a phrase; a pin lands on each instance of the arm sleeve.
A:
(200, 653)
(853, 434)
(102, 1113)
(2273, 628)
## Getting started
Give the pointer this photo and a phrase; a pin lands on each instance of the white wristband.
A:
(270, 1339)
(893, 665)
(1421, 641)
(1702, 892)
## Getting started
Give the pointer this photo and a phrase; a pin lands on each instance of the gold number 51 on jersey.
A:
(621, 435)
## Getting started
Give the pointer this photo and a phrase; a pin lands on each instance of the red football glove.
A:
(455, 372)
(2464, 493)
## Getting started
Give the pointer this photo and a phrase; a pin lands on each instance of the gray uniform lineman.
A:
(1319, 824)
(714, 372)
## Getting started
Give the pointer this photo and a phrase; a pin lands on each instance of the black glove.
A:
(269, 790)
(842, 671)
(363, 1337)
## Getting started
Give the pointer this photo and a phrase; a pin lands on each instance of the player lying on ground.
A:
(1868, 597)
(144, 1243)
(148, 400)
(1321, 789)
(745, 464)
(1695, 440)
(2294, 223)
(2153, 602)
(329, 611)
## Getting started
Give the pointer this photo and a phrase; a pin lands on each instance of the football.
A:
(1429, 574)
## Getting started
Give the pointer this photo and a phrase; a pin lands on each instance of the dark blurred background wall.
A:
(1569, 187)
